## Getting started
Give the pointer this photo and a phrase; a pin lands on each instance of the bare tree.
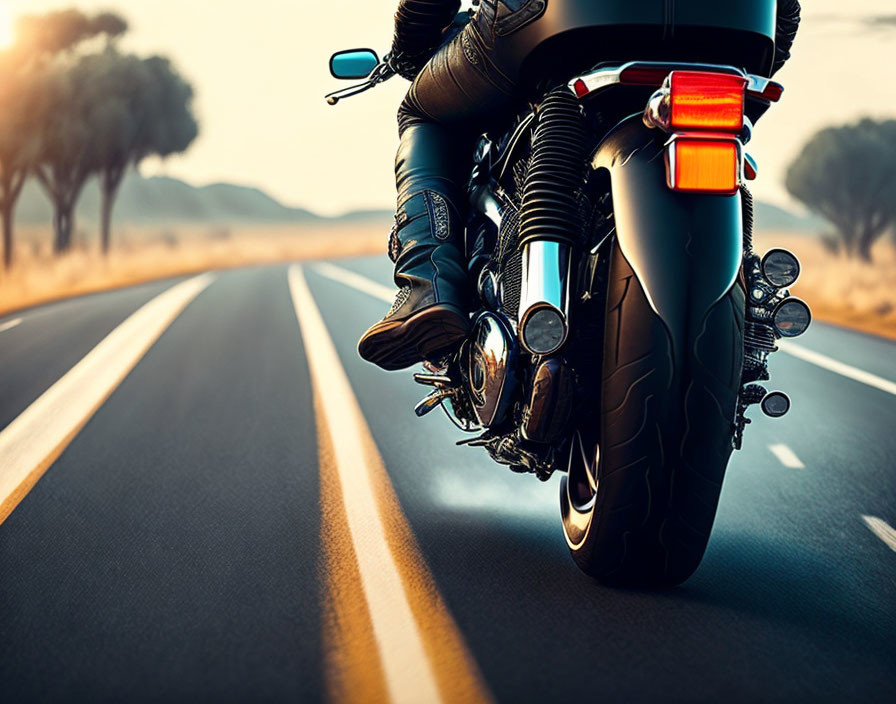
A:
(848, 175)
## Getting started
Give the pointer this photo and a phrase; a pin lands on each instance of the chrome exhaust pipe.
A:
(544, 296)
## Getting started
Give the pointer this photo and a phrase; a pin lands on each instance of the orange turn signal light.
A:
(704, 165)
(706, 101)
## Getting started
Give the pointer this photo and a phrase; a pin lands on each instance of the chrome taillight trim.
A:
(658, 113)
(603, 78)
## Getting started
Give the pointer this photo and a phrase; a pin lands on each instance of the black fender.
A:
(685, 249)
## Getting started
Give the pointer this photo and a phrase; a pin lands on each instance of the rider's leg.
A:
(429, 316)
(456, 96)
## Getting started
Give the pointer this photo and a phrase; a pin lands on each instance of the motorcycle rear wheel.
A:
(639, 500)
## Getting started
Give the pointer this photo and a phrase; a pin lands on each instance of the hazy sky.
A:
(260, 71)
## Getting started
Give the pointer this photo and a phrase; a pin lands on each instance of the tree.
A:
(86, 114)
(63, 163)
(848, 175)
(18, 143)
(137, 108)
(64, 82)
(50, 34)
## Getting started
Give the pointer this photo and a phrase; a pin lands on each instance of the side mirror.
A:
(353, 64)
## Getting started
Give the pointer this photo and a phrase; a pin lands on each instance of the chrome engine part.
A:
(551, 399)
(544, 296)
(491, 363)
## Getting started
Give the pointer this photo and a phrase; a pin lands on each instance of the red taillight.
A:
(581, 88)
(644, 75)
(704, 165)
(773, 92)
(706, 101)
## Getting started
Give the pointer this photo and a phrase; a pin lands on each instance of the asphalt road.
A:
(192, 541)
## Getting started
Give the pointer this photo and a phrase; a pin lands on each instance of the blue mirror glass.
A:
(353, 64)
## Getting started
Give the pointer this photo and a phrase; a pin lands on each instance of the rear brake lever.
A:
(383, 72)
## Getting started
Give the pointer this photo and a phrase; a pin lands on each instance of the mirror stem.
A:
(380, 74)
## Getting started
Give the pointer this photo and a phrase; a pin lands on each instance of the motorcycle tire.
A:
(664, 441)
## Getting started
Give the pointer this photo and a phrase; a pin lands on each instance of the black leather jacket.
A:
(785, 32)
(419, 25)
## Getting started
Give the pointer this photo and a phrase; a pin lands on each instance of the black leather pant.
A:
(460, 92)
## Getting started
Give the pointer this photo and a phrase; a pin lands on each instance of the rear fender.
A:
(685, 249)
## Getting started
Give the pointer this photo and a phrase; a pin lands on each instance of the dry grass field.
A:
(142, 253)
(839, 290)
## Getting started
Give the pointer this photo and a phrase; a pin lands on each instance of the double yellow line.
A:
(388, 634)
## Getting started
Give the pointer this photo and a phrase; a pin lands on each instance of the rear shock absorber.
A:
(549, 222)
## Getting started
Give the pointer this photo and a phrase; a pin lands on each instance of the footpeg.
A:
(431, 402)
(437, 380)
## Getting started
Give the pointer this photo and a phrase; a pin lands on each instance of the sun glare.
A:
(6, 28)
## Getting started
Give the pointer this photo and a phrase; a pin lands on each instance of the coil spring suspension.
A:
(550, 210)
(749, 218)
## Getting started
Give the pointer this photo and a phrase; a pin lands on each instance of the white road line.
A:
(350, 278)
(786, 456)
(377, 290)
(33, 441)
(408, 672)
(832, 365)
(10, 324)
(882, 530)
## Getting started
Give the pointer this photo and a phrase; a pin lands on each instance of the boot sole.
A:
(427, 335)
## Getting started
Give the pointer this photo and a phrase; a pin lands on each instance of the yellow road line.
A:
(419, 654)
(33, 441)
(352, 667)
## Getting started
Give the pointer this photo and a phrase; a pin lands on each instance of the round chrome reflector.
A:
(781, 268)
(776, 404)
(792, 317)
(543, 331)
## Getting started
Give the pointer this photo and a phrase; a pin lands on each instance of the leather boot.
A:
(429, 316)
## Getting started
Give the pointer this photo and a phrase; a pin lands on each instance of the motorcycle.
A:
(624, 321)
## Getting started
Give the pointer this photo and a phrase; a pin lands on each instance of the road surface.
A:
(206, 495)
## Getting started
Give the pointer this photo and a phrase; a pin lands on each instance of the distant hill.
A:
(163, 200)
(160, 199)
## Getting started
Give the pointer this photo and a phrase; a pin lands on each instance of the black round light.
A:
(780, 268)
(775, 404)
(544, 331)
(792, 317)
